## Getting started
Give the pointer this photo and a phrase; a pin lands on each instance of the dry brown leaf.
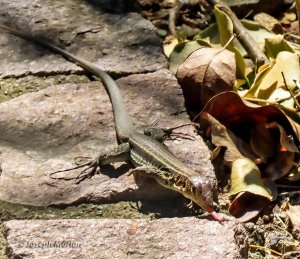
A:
(262, 142)
(239, 116)
(285, 140)
(220, 137)
(269, 22)
(247, 205)
(205, 73)
(251, 193)
(272, 135)
(280, 165)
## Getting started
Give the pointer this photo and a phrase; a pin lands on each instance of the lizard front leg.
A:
(160, 134)
(115, 154)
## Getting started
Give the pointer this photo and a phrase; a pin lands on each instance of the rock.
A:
(43, 132)
(126, 238)
(121, 44)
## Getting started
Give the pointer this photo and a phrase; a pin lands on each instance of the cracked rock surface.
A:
(42, 132)
(125, 238)
(85, 28)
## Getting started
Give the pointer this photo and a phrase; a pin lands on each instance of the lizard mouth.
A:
(201, 200)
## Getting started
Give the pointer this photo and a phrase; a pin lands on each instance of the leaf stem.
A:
(250, 45)
(229, 41)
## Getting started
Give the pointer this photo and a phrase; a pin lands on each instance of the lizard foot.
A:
(161, 134)
(180, 135)
(92, 167)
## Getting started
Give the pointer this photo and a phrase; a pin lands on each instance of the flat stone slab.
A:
(44, 131)
(126, 238)
(120, 43)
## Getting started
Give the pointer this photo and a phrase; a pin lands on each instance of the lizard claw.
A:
(92, 168)
(87, 173)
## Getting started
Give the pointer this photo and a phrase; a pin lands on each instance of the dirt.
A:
(14, 87)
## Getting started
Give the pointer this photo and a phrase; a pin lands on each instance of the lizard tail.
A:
(123, 123)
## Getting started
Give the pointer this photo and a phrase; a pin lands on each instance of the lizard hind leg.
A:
(106, 156)
(91, 168)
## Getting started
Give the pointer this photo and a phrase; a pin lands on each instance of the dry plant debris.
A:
(249, 111)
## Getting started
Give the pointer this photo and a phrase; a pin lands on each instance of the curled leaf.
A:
(262, 142)
(262, 72)
(273, 79)
(205, 73)
(169, 46)
(280, 165)
(247, 206)
(225, 28)
(239, 116)
(212, 35)
(286, 141)
(246, 177)
(276, 44)
(223, 137)
(247, 184)
(263, 134)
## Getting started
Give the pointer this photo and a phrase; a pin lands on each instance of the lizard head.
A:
(201, 191)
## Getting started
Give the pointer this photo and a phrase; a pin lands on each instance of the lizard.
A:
(144, 152)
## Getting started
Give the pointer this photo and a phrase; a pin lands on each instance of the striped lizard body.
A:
(142, 150)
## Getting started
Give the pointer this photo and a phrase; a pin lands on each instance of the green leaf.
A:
(210, 35)
(257, 32)
(262, 72)
(225, 28)
(286, 63)
(276, 44)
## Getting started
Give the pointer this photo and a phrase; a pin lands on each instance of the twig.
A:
(298, 12)
(291, 254)
(173, 14)
(250, 45)
(266, 248)
(291, 93)
(257, 100)
(282, 228)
